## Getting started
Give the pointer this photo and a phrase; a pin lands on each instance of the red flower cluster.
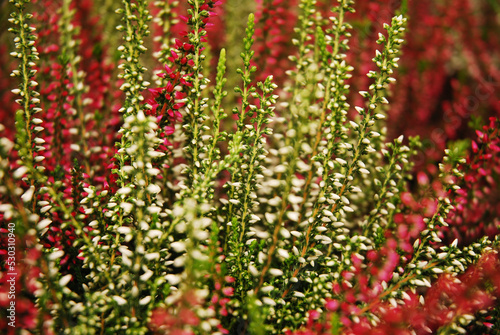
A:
(166, 101)
(477, 209)
(24, 287)
(451, 300)
(163, 322)
(276, 20)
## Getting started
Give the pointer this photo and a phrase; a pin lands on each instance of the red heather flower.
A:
(161, 318)
(9, 107)
(25, 285)
(450, 297)
(164, 321)
(332, 305)
(167, 101)
(476, 209)
(442, 104)
(274, 30)
(228, 291)
(188, 317)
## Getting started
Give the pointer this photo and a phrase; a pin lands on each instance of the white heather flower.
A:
(127, 207)
(43, 224)
(20, 172)
(334, 196)
(261, 234)
(28, 195)
(274, 201)
(155, 233)
(173, 279)
(293, 216)
(119, 300)
(302, 166)
(283, 253)
(77, 308)
(124, 250)
(280, 169)
(154, 209)
(123, 230)
(155, 154)
(56, 254)
(148, 274)
(348, 209)
(127, 169)
(126, 261)
(178, 246)
(327, 212)
(285, 233)
(419, 282)
(270, 217)
(299, 294)
(145, 300)
(253, 270)
(45, 209)
(268, 301)
(201, 235)
(65, 280)
(267, 289)
(151, 256)
(153, 189)
(341, 161)
(276, 272)
(294, 199)
(254, 218)
(124, 190)
(153, 171)
(364, 171)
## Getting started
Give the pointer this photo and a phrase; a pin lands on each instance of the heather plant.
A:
(143, 193)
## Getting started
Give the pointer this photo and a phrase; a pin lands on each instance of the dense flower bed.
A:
(249, 167)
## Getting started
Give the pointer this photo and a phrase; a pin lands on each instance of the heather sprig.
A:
(28, 144)
(245, 179)
(69, 62)
(243, 112)
(166, 18)
(135, 17)
(337, 186)
(194, 121)
(33, 216)
(388, 187)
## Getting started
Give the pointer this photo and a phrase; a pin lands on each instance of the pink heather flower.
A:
(332, 305)
(228, 291)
